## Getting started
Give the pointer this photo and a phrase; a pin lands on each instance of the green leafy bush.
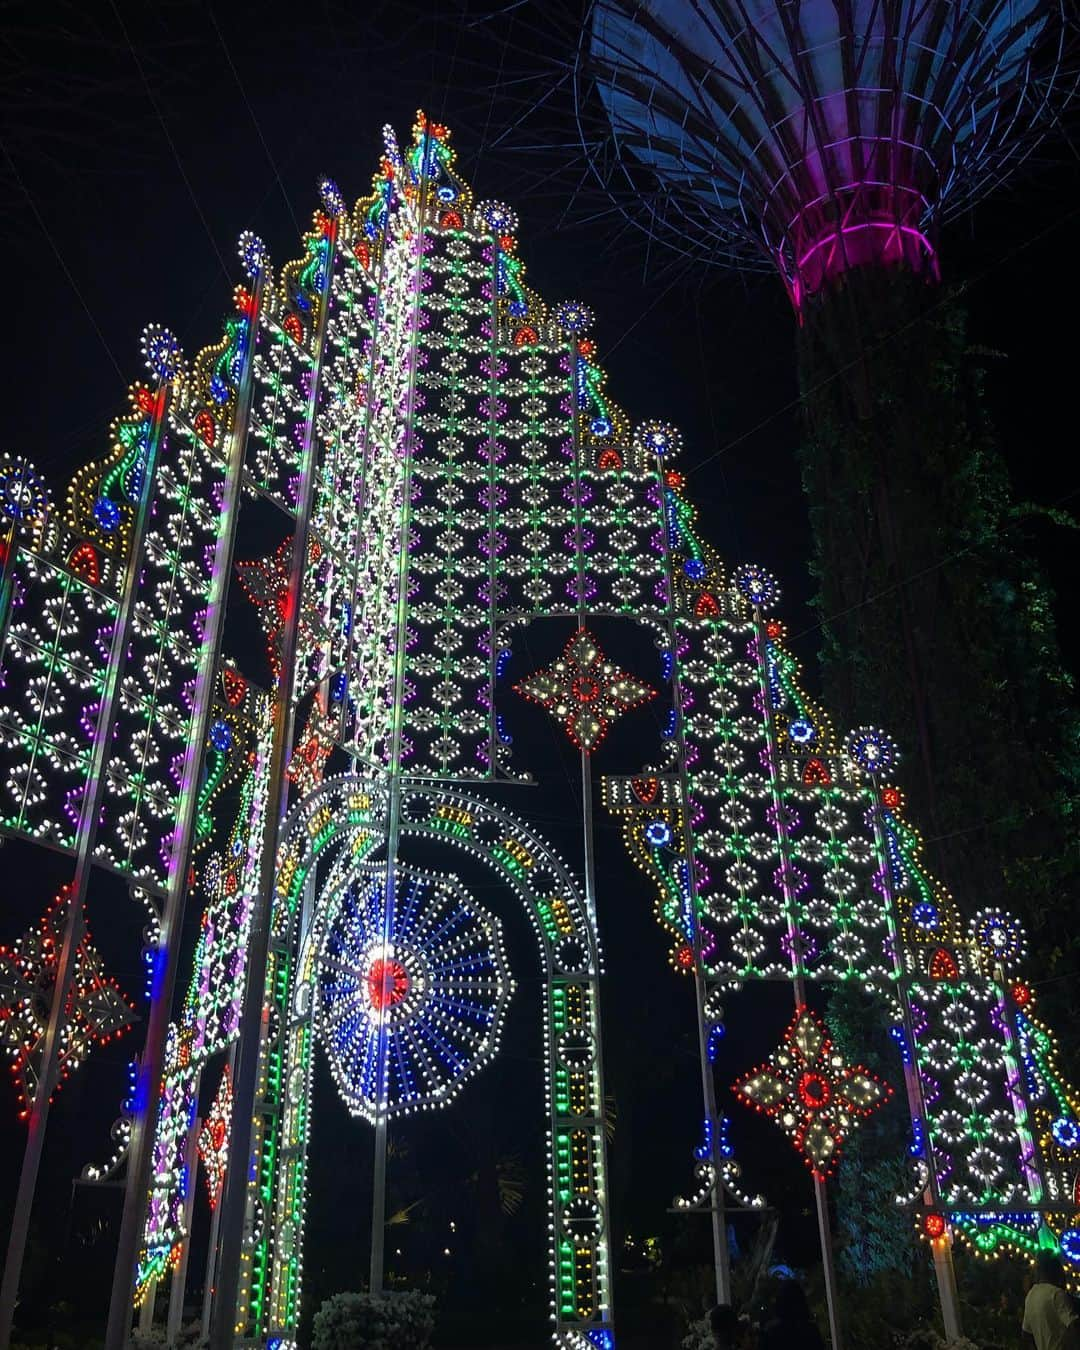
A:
(367, 1322)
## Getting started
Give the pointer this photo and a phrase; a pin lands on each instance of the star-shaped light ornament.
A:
(213, 1141)
(815, 1098)
(584, 691)
(96, 1010)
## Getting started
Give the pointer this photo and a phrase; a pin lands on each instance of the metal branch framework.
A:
(816, 136)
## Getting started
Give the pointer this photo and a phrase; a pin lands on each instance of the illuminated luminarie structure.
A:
(449, 467)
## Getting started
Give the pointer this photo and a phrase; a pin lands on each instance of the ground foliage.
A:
(368, 1322)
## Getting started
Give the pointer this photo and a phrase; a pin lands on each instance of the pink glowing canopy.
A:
(823, 134)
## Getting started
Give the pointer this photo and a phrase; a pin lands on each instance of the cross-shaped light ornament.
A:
(815, 1098)
(584, 691)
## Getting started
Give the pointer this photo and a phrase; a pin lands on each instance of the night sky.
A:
(137, 142)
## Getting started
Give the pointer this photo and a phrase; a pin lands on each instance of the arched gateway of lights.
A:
(448, 466)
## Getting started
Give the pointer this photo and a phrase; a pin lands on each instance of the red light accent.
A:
(204, 427)
(84, 563)
(816, 774)
(295, 329)
(525, 336)
(814, 1091)
(245, 301)
(674, 479)
(586, 347)
(507, 243)
(1021, 994)
(235, 687)
(451, 220)
(706, 607)
(363, 254)
(610, 459)
(585, 689)
(892, 798)
(217, 1134)
(943, 965)
(388, 983)
(934, 1226)
(774, 629)
(684, 958)
(144, 400)
(645, 789)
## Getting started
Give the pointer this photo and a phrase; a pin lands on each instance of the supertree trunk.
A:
(927, 587)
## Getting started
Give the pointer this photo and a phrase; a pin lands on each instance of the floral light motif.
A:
(96, 1009)
(813, 1095)
(213, 1141)
(584, 691)
(424, 969)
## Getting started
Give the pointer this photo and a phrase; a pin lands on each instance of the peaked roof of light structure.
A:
(819, 134)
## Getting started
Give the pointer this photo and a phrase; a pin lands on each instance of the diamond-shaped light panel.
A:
(815, 1098)
(584, 690)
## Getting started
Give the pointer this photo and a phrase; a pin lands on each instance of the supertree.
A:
(831, 143)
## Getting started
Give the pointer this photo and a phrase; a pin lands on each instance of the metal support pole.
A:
(249, 1039)
(144, 1122)
(178, 1283)
(147, 1309)
(86, 837)
(832, 1293)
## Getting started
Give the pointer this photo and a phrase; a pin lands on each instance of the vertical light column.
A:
(940, 1247)
(821, 1194)
(250, 1040)
(602, 1273)
(713, 1133)
(393, 831)
(148, 1091)
(178, 1284)
(86, 836)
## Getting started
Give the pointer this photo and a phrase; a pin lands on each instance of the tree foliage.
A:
(368, 1322)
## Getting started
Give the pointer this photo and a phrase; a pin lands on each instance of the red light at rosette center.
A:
(388, 983)
(1021, 994)
(814, 1091)
(934, 1226)
(684, 958)
(585, 689)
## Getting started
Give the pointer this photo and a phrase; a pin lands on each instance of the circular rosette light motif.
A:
(500, 218)
(756, 585)
(999, 937)
(161, 351)
(574, 317)
(872, 750)
(658, 438)
(423, 970)
(24, 498)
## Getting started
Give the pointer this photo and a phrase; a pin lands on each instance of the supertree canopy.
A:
(830, 141)
(820, 136)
